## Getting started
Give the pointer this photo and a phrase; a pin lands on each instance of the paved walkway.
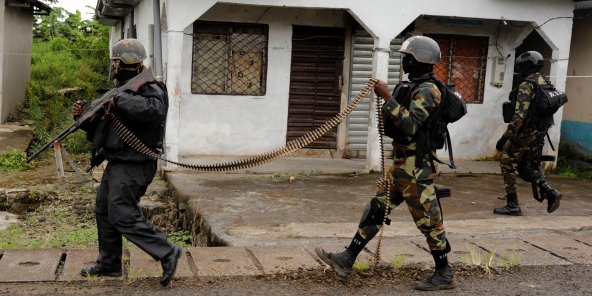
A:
(273, 217)
(64, 265)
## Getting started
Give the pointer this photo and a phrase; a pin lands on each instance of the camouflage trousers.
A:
(416, 187)
(520, 154)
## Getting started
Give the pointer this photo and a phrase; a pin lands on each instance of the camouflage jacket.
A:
(424, 98)
(526, 93)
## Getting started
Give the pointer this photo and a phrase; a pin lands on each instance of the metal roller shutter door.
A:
(361, 71)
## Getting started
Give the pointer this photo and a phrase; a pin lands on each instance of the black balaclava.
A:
(414, 68)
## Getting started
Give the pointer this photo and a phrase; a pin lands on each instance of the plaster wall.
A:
(245, 125)
(579, 88)
(212, 117)
(576, 127)
(17, 26)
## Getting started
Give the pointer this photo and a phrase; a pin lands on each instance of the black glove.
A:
(500, 143)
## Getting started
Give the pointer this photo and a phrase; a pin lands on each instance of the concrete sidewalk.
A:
(54, 265)
(271, 218)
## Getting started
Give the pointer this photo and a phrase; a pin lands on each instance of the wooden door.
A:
(315, 82)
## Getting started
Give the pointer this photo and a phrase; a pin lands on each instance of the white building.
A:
(16, 41)
(245, 76)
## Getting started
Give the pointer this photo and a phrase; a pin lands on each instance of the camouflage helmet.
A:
(128, 51)
(423, 49)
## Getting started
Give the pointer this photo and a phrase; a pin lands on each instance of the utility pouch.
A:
(509, 107)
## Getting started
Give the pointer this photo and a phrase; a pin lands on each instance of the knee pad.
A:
(527, 172)
(373, 214)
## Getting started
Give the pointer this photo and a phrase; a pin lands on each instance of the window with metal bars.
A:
(464, 60)
(229, 58)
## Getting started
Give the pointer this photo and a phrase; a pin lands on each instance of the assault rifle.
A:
(95, 106)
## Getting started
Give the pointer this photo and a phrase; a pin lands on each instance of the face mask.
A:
(407, 64)
(124, 75)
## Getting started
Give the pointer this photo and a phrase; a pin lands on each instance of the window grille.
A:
(464, 60)
(229, 58)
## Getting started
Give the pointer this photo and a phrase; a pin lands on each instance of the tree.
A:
(68, 53)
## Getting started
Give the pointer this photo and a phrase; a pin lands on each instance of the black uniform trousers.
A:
(117, 213)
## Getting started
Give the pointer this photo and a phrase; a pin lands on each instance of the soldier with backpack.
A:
(415, 110)
(530, 115)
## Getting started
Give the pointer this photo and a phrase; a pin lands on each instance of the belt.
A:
(404, 153)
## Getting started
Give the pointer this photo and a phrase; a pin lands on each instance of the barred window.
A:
(229, 58)
(464, 60)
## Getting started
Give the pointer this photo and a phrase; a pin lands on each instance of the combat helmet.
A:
(129, 51)
(529, 62)
(423, 49)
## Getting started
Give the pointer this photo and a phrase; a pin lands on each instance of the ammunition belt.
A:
(291, 146)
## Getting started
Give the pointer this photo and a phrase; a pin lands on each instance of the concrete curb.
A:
(49, 265)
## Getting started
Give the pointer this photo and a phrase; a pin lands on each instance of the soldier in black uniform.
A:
(128, 172)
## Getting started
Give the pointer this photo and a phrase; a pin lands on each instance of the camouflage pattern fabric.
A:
(425, 97)
(525, 142)
(413, 185)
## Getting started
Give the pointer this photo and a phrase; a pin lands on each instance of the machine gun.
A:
(95, 106)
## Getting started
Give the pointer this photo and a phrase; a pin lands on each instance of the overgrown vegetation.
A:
(573, 162)
(55, 228)
(70, 61)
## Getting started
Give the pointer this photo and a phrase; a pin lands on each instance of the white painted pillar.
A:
(380, 63)
(173, 77)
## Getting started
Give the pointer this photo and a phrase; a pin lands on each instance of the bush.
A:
(68, 53)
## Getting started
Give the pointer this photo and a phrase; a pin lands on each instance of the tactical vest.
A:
(433, 133)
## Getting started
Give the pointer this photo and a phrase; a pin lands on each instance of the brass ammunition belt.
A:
(291, 146)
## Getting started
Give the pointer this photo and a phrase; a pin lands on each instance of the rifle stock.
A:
(95, 106)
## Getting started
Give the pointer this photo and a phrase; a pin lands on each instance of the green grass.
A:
(573, 168)
(15, 237)
(398, 261)
(180, 238)
(13, 160)
(361, 266)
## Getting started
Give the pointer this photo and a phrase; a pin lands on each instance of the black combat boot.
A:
(100, 270)
(442, 279)
(553, 196)
(342, 262)
(511, 208)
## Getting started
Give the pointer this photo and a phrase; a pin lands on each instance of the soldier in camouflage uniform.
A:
(522, 143)
(410, 182)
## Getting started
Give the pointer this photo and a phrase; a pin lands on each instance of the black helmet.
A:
(529, 62)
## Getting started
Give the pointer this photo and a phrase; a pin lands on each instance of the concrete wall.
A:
(246, 125)
(237, 125)
(576, 128)
(17, 39)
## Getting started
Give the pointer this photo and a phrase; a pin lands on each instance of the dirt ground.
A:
(553, 280)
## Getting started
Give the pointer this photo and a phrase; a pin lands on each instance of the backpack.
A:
(434, 132)
(547, 100)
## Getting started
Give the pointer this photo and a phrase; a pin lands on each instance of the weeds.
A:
(13, 160)
(573, 168)
(361, 266)
(473, 256)
(398, 261)
(181, 238)
(290, 176)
